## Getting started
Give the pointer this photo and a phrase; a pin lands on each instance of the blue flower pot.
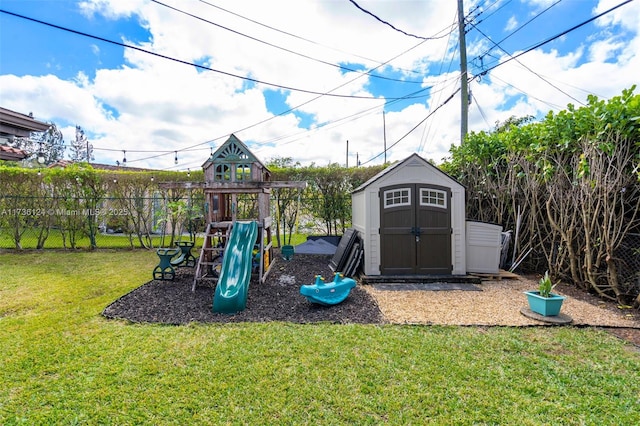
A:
(545, 306)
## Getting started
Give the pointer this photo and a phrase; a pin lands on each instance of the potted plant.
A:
(544, 301)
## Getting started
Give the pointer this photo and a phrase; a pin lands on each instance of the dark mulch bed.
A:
(278, 299)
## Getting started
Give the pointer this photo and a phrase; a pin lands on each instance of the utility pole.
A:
(347, 162)
(384, 130)
(464, 87)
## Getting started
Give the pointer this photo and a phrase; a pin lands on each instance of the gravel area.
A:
(498, 303)
(279, 299)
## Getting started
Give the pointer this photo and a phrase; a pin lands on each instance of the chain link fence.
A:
(31, 222)
(54, 223)
(628, 263)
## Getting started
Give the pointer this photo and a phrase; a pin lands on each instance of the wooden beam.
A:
(233, 187)
(181, 185)
(287, 184)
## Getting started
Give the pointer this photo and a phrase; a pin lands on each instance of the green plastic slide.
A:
(233, 285)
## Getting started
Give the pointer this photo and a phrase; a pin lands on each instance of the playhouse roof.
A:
(413, 159)
(233, 151)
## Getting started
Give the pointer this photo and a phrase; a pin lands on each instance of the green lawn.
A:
(30, 240)
(55, 241)
(62, 363)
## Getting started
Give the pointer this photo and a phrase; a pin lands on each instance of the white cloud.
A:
(512, 24)
(603, 50)
(156, 105)
(542, 3)
(112, 9)
(628, 15)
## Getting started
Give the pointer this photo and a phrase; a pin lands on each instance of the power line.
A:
(211, 69)
(338, 122)
(316, 128)
(527, 68)
(391, 25)
(491, 14)
(309, 101)
(506, 83)
(540, 44)
(550, 39)
(514, 31)
(162, 153)
(414, 127)
(450, 29)
(191, 64)
(326, 94)
(427, 129)
(340, 67)
(201, 67)
(484, 117)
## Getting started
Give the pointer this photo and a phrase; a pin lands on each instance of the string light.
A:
(175, 160)
(188, 172)
(124, 160)
(40, 155)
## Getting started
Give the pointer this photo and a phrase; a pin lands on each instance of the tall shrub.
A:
(575, 175)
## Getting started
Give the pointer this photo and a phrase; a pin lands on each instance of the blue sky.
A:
(44, 50)
(129, 100)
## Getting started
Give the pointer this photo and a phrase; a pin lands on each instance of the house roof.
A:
(13, 123)
(412, 158)
(60, 163)
(12, 154)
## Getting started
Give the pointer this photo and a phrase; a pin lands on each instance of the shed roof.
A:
(412, 159)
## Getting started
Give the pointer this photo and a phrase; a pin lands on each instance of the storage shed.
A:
(411, 219)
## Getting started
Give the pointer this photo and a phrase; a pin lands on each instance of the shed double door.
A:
(415, 230)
